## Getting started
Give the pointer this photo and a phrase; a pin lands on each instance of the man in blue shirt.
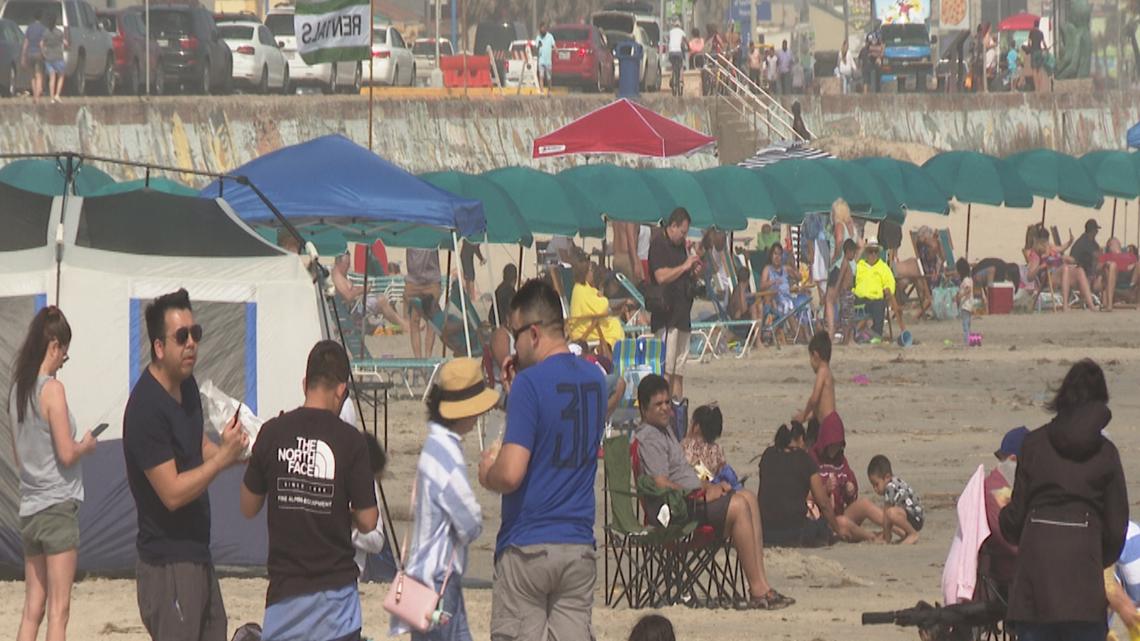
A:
(545, 57)
(545, 562)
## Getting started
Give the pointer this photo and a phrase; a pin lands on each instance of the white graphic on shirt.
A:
(310, 459)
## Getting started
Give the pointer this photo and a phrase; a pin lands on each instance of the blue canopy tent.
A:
(332, 182)
(1134, 136)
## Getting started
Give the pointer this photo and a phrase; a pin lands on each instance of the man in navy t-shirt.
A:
(545, 563)
(170, 465)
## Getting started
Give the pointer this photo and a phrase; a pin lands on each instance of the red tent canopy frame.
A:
(1018, 22)
(622, 127)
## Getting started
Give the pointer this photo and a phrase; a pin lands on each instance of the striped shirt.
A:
(447, 516)
(1128, 566)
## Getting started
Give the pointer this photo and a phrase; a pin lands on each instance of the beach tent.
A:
(1133, 137)
(622, 127)
(257, 305)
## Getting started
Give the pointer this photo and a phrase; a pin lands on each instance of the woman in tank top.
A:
(51, 478)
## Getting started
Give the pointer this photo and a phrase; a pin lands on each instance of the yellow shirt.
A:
(870, 281)
(587, 303)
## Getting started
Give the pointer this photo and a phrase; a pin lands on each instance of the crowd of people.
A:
(315, 475)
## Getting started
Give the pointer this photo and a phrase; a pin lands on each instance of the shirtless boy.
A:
(821, 403)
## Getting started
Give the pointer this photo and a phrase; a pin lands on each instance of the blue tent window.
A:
(228, 352)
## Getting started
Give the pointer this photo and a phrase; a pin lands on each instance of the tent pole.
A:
(462, 299)
(1044, 201)
(1113, 232)
(446, 303)
(518, 272)
(968, 212)
(69, 177)
(364, 300)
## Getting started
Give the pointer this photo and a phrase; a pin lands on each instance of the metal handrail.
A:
(752, 96)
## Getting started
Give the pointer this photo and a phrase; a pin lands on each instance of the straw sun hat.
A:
(463, 393)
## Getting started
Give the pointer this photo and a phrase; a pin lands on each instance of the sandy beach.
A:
(938, 412)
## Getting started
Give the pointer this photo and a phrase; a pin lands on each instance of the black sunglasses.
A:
(184, 334)
(524, 329)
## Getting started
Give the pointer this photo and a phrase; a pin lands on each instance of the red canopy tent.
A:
(1018, 22)
(622, 127)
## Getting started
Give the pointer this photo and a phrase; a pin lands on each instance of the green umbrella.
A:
(684, 190)
(1117, 174)
(910, 184)
(48, 176)
(745, 193)
(620, 192)
(505, 223)
(884, 204)
(974, 177)
(164, 185)
(1051, 174)
(815, 185)
(549, 205)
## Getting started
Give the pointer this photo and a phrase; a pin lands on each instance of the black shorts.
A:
(713, 513)
(813, 533)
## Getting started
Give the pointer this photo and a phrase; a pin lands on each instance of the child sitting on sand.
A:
(902, 511)
(842, 486)
(821, 403)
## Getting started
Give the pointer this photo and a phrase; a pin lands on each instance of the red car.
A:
(582, 57)
(128, 40)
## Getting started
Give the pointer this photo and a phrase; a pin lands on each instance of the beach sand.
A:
(938, 412)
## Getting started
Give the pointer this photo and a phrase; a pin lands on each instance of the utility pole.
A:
(752, 22)
(534, 18)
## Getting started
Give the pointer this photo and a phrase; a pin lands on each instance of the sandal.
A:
(771, 601)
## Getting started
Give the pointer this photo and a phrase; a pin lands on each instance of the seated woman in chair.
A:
(776, 281)
(930, 260)
(592, 316)
(1043, 256)
(744, 305)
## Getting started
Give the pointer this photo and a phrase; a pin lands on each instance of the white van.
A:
(341, 76)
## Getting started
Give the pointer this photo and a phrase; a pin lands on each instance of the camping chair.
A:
(701, 567)
(639, 561)
(449, 326)
(384, 369)
(635, 358)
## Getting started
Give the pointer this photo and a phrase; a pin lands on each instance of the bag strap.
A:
(400, 562)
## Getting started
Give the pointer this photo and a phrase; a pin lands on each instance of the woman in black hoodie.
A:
(1069, 514)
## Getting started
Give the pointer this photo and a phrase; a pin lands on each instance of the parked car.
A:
(582, 57)
(89, 55)
(516, 64)
(423, 50)
(498, 36)
(392, 61)
(191, 50)
(619, 27)
(128, 41)
(11, 44)
(258, 61)
(331, 78)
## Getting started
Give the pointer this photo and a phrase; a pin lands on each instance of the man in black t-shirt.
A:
(672, 267)
(315, 471)
(170, 465)
(504, 293)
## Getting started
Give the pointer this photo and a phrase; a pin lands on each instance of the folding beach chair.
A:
(635, 358)
(364, 363)
(447, 323)
(637, 328)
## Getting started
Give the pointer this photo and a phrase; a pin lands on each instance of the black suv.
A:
(192, 52)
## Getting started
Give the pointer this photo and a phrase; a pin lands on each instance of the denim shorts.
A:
(58, 66)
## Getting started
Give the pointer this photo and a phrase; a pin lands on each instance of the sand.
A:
(938, 412)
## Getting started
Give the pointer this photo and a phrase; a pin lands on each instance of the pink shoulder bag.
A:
(409, 600)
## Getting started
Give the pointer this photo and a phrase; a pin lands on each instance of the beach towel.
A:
(961, 571)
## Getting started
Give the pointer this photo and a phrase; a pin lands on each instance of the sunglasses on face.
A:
(183, 334)
(524, 329)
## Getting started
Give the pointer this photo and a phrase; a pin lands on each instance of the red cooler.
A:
(1001, 298)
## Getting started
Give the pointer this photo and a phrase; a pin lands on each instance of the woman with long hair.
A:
(1068, 514)
(51, 478)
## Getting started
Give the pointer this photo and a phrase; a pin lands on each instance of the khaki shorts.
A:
(676, 350)
(52, 530)
(544, 592)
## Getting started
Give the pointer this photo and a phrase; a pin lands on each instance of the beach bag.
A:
(416, 604)
(944, 306)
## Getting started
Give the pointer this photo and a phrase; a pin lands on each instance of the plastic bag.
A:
(218, 410)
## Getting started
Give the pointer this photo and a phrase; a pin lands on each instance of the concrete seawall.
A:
(218, 134)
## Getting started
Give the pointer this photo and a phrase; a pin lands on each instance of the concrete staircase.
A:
(737, 138)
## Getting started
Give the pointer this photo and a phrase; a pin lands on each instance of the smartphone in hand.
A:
(99, 429)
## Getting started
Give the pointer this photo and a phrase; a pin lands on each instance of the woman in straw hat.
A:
(447, 518)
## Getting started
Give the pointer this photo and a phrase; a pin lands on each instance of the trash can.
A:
(629, 56)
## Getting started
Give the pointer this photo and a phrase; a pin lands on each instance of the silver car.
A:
(90, 55)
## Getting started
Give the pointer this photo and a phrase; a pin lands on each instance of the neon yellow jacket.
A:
(871, 280)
